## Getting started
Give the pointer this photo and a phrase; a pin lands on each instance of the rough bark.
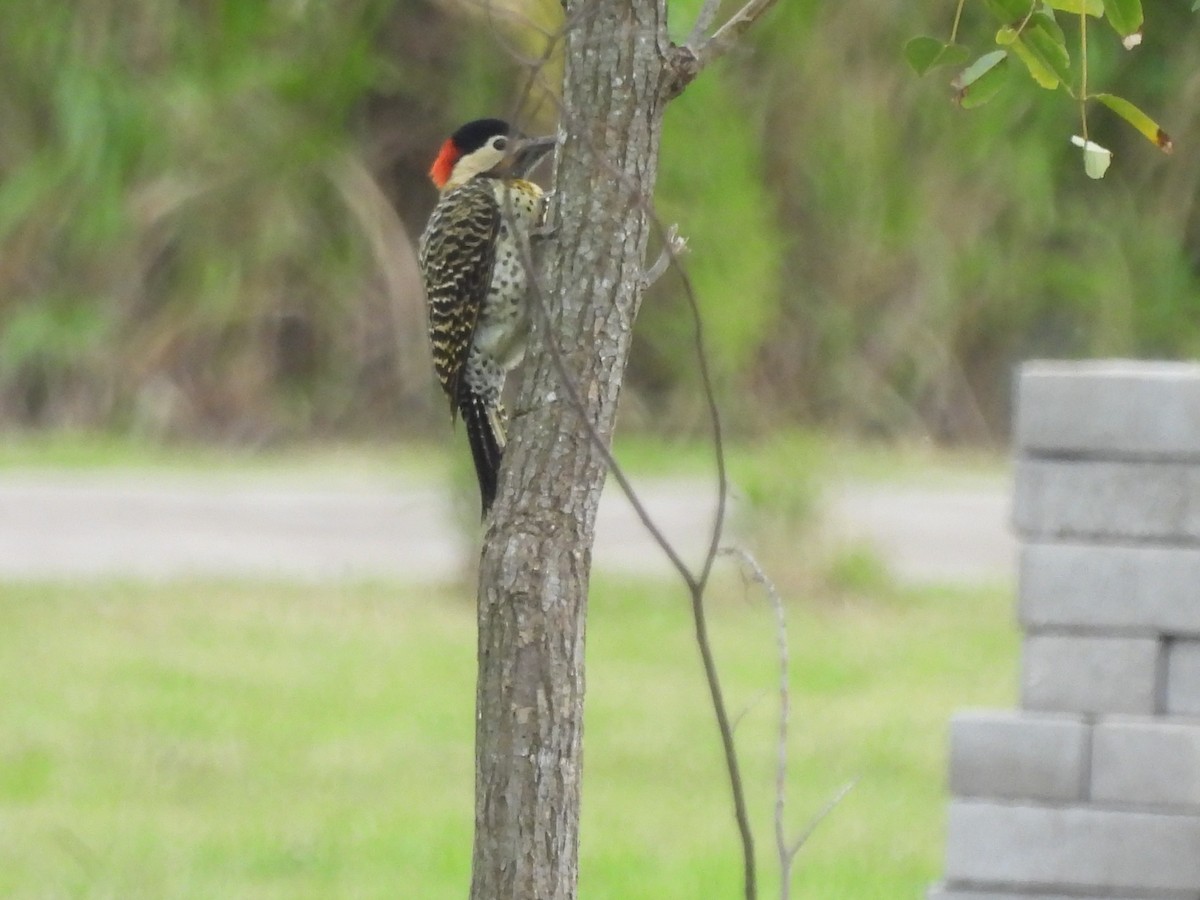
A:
(537, 552)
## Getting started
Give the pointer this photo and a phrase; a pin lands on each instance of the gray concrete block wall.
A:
(1092, 789)
(943, 893)
(1073, 847)
(1019, 755)
(1183, 678)
(1134, 589)
(1083, 672)
(1147, 762)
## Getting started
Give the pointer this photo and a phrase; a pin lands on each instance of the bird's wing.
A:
(457, 254)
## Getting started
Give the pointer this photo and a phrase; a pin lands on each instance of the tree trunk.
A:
(536, 559)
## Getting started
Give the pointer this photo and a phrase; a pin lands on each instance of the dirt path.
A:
(154, 525)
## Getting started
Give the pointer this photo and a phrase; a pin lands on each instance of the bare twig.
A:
(1083, 74)
(699, 618)
(957, 19)
(747, 709)
(798, 844)
(708, 15)
(714, 416)
(756, 574)
(729, 33)
(688, 61)
(786, 851)
(742, 817)
(698, 584)
(674, 247)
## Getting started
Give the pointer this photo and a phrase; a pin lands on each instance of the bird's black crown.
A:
(474, 135)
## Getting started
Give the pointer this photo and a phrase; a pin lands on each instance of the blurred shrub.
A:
(190, 240)
(857, 571)
(929, 250)
(871, 258)
(776, 482)
(198, 229)
(712, 184)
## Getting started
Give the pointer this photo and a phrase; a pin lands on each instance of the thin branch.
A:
(731, 758)
(708, 15)
(698, 586)
(1033, 7)
(820, 817)
(747, 709)
(714, 414)
(674, 247)
(787, 852)
(957, 19)
(1083, 73)
(688, 61)
(729, 33)
(759, 577)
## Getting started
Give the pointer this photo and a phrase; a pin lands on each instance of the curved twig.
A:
(689, 60)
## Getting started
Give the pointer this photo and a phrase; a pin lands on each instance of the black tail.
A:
(486, 437)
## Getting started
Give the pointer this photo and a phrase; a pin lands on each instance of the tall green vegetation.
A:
(178, 218)
(926, 249)
(192, 238)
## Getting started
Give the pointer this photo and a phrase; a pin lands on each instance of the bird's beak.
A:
(529, 152)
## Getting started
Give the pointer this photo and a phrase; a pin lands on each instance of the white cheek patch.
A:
(482, 161)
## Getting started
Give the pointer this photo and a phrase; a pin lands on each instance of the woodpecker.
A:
(472, 260)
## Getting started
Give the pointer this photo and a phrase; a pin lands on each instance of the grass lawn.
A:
(244, 741)
(428, 457)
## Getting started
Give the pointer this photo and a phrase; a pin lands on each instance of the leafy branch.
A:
(1029, 31)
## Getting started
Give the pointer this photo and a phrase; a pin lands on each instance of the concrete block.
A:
(1072, 849)
(1019, 755)
(1109, 408)
(1183, 678)
(1146, 761)
(1151, 589)
(950, 892)
(1065, 673)
(1057, 499)
(1191, 513)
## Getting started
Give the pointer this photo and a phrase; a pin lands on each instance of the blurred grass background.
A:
(295, 742)
(207, 206)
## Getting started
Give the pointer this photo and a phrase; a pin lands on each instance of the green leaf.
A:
(1010, 12)
(1196, 6)
(924, 53)
(921, 52)
(1124, 15)
(1044, 19)
(1091, 7)
(1037, 69)
(1045, 57)
(982, 80)
(1050, 44)
(1138, 120)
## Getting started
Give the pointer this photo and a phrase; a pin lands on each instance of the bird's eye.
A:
(499, 143)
